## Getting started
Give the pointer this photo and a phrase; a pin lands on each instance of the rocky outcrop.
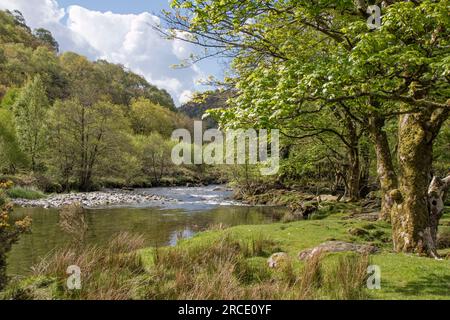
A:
(94, 199)
(304, 209)
(337, 246)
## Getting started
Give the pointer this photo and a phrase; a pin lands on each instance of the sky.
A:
(121, 32)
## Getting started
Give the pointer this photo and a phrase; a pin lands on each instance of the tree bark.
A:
(364, 174)
(437, 192)
(354, 172)
(385, 167)
(353, 175)
(417, 208)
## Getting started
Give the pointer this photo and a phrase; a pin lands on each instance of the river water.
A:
(195, 209)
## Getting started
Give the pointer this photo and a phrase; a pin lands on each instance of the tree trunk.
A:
(353, 175)
(354, 171)
(437, 193)
(385, 168)
(417, 208)
(364, 174)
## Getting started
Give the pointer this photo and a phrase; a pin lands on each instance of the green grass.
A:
(24, 193)
(402, 276)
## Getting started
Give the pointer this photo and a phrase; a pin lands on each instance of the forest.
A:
(76, 124)
(363, 115)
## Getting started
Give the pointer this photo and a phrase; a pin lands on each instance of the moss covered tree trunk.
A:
(414, 220)
(385, 168)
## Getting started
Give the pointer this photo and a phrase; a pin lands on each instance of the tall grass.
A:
(311, 279)
(215, 271)
(226, 268)
(24, 193)
(347, 279)
(72, 220)
(110, 272)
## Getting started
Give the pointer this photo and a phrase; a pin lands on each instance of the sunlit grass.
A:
(24, 193)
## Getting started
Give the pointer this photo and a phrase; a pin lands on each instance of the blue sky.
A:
(120, 31)
(120, 6)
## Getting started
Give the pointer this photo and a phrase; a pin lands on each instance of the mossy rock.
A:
(358, 232)
(34, 288)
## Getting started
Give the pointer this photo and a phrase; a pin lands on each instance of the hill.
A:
(196, 108)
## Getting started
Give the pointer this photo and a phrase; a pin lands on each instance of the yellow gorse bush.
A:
(6, 184)
(6, 208)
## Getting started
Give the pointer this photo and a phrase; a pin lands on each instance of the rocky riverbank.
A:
(95, 199)
(303, 205)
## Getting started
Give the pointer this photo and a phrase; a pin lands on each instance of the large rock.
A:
(304, 209)
(337, 246)
(277, 259)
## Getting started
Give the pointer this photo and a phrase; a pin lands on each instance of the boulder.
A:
(304, 209)
(337, 246)
(276, 259)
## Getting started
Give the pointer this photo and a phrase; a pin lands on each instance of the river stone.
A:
(92, 199)
(337, 246)
(276, 259)
(328, 198)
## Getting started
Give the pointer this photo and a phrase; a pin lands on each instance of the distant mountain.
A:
(211, 100)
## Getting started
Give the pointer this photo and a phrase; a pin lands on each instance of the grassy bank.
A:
(232, 264)
(24, 193)
(402, 276)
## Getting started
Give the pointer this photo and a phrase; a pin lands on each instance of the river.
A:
(195, 210)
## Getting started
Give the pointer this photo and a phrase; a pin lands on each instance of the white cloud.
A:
(171, 84)
(41, 12)
(182, 49)
(128, 39)
(185, 96)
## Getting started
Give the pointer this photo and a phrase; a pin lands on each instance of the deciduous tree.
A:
(30, 111)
